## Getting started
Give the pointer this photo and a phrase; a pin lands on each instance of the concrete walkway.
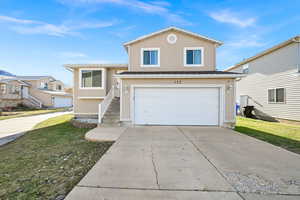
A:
(104, 134)
(191, 163)
(11, 129)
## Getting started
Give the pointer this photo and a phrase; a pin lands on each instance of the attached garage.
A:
(192, 98)
(174, 105)
(60, 101)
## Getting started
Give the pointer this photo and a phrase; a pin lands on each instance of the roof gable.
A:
(168, 29)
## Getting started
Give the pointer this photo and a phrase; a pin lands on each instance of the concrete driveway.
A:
(11, 129)
(191, 163)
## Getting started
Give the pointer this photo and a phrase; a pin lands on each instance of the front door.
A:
(25, 92)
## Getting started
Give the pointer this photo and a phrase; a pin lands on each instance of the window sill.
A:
(90, 98)
(150, 65)
(276, 102)
(91, 88)
(201, 65)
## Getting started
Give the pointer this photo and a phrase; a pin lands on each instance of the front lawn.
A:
(14, 114)
(48, 162)
(280, 134)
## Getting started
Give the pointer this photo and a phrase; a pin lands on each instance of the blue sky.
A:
(38, 37)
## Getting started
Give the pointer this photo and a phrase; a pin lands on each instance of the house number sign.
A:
(177, 82)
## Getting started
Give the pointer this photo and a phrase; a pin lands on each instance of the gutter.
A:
(182, 76)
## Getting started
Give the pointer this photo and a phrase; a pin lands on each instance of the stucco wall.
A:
(172, 55)
(86, 101)
(229, 93)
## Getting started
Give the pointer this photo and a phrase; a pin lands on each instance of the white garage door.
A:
(177, 106)
(60, 102)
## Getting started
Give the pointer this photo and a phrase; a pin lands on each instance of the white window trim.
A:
(275, 102)
(193, 65)
(93, 88)
(3, 89)
(150, 49)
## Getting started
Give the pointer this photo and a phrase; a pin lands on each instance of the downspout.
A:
(297, 40)
(298, 65)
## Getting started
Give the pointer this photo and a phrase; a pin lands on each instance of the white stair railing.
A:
(36, 101)
(103, 106)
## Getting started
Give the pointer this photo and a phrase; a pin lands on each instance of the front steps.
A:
(112, 115)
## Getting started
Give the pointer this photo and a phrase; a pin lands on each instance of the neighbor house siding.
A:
(45, 98)
(256, 87)
(228, 83)
(275, 70)
(8, 95)
(34, 90)
(172, 55)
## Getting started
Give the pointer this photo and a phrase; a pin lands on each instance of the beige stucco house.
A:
(33, 91)
(272, 84)
(171, 79)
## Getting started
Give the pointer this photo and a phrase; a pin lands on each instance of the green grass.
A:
(48, 161)
(280, 134)
(10, 115)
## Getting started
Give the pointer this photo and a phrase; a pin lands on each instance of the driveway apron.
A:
(164, 162)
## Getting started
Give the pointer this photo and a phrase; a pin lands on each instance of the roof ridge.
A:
(170, 28)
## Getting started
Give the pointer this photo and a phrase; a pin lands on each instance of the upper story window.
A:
(193, 56)
(58, 87)
(91, 79)
(246, 68)
(44, 85)
(3, 89)
(276, 95)
(150, 57)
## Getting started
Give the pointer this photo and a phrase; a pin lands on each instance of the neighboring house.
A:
(272, 84)
(33, 91)
(171, 79)
(5, 74)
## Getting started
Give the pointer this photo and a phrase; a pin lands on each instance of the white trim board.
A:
(103, 77)
(180, 76)
(172, 28)
(121, 99)
(82, 98)
(221, 97)
(193, 48)
(150, 49)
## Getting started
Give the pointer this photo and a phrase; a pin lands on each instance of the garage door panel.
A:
(176, 106)
(60, 102)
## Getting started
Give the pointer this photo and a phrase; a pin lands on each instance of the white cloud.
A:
(154, 7)
(246, 43)
(229, 17)
(70, 54)
(161, 3)
(24, 26)
(123, 32)
(18, 21)
(91, 61)
(47, 29)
